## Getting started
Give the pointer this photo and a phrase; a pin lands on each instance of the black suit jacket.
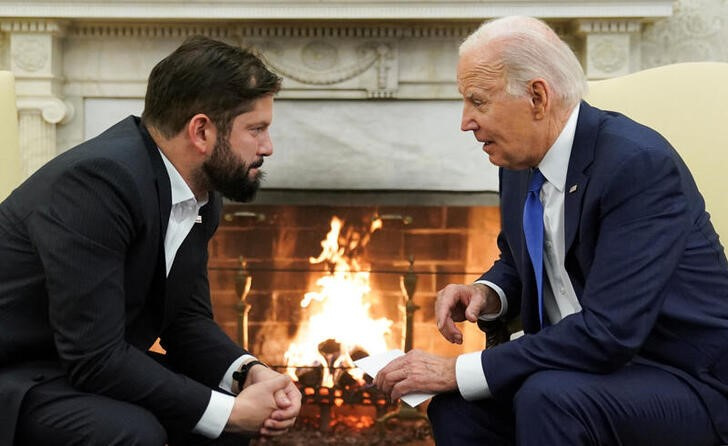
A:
(83, 292)
(644, 261)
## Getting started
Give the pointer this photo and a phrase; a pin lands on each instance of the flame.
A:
(339, 310)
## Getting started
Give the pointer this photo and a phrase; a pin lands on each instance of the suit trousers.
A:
(636, 405)
(54, 413)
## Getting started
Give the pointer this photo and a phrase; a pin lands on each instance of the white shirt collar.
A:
(555, 163)
(181, 192)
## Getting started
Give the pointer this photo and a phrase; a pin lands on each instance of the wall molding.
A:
(291, 30)
(330, 9)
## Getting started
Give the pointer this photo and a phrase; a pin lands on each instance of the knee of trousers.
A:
(151, 434)
(444, 420)
(548, 393)
(442, 407)
(138, 430)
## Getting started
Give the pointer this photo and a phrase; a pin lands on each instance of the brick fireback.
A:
(449, 245)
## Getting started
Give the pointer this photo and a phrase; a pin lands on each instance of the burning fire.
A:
(339, 322)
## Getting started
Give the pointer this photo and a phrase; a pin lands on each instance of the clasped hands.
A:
(268, 404)
(418, 371)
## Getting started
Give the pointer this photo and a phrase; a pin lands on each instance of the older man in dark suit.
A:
(606, 253)
(104, 249)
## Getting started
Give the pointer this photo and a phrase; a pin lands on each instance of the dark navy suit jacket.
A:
(644, 260)
(83, 292)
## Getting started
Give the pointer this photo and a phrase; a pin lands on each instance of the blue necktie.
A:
(533, 229)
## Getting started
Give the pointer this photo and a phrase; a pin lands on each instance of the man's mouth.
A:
(257, 164)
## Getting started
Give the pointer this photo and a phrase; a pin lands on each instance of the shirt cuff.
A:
(226, 383)
(501, 295)
(216, 415)
(470, 377)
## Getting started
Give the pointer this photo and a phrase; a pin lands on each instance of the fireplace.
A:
(269, 253)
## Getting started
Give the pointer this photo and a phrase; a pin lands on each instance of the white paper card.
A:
(371, 365)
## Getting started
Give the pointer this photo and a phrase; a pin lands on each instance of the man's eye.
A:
(477, 102)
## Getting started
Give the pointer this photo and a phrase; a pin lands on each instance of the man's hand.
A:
(288, 401)
(255, 405)
(456, 303)
(417, 371)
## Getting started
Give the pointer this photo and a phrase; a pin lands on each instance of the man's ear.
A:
(201, 133)
(540, 95)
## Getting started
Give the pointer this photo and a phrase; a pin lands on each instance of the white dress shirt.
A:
(182, 217)
(559, 296)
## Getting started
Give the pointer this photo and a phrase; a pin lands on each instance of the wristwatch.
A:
(241, 375)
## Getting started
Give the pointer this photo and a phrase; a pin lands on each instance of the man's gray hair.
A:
(530, 49)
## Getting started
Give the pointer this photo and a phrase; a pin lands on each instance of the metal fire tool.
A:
(408, 284)
(243, 280)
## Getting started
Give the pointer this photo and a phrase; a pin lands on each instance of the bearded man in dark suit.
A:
(104, 249)
(623, 299)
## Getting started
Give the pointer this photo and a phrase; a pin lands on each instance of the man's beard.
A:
(227, 174)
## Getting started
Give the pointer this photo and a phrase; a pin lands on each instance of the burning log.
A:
(358, 353)
(310, 376)
(330, 348)
(345, 380)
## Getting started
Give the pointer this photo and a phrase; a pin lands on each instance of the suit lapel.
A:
(577, 177)
(187, 284)
(164, 198)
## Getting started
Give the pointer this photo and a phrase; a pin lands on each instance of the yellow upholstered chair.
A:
(10, 164)
(688, 104)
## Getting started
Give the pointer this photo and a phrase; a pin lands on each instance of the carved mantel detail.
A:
(344, 65)
(53, 110)
(612, 46)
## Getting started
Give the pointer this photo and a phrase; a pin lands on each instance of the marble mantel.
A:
(369, 98)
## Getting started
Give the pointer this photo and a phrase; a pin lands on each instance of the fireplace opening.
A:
(309, 288)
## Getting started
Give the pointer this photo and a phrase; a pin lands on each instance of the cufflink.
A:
(198, 219)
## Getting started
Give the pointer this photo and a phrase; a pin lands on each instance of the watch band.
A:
(241, 375)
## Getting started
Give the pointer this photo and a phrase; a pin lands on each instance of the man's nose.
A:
(266, 145)
(467, 123)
